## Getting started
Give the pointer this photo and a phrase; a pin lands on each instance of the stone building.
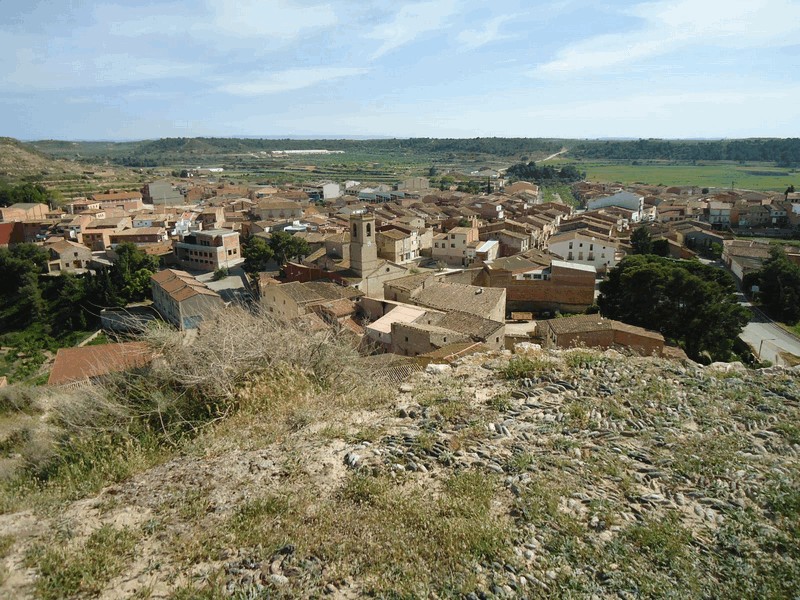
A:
(540, 282)
(183, 300)
(596, 332)
(209, 250)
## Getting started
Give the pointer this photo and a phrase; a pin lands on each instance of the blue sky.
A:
(82, 69)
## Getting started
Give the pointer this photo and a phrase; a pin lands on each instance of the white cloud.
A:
(288, 80)
(670, 25)
(276, 19)
(30, 71)
(411, 22)
(475, 38)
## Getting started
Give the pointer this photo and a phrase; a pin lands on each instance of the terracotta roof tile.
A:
(78, 364)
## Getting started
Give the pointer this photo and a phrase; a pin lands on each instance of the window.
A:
(591, 247)
(369, 230)
(452, 245)
(570, 245)
(569, 257)
(355, 230)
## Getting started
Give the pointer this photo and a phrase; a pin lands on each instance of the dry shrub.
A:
(238, 362)
(237, 346)
(19, 398)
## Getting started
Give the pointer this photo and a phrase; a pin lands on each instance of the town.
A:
(423, 274)
(425, 299)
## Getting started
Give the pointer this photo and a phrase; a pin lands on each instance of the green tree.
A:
(689, 303)
(130, 274)
(25, 193)
(257, 254)
(67, 310)
(285, 246)
(779, 286)
(642, 241)
(446, 181)
(21, 299)
(101, 291)
(660, 247)
(30, 306)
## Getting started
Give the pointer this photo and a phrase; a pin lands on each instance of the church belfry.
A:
(363, 249)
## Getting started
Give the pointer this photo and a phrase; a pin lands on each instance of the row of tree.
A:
(785, 152)
(542, 174)
(690, 304)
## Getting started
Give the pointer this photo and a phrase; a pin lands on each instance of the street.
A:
(766, 338)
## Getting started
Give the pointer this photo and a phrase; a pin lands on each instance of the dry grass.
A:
(252, 378)
(67, 570)
(401, 540)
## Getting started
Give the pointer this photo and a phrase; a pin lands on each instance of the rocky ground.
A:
(573, 474)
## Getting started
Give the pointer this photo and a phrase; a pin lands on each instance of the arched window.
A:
(355, 230)
(369, 230)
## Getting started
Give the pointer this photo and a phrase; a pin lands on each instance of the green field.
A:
(756, 176)
(743, 164)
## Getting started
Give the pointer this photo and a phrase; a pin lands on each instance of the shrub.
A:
(524, 366)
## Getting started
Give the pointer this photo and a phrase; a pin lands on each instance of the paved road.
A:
(766, 338)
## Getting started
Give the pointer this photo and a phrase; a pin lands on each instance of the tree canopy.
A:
(689, 303)
(257, 254)
(24, 193)
(281, 246)
(539, 174)
(642, 241)
(67, 302)
(779, 286)
(285, 246)
(782, 151)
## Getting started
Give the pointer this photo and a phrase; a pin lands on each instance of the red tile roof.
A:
(78, 364)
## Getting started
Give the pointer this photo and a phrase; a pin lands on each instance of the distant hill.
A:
(19, 160)
(171, 151)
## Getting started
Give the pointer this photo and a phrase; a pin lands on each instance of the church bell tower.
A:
(363, 248)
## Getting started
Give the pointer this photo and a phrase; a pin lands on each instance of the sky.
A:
(101, 70)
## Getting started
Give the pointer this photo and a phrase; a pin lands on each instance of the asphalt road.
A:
(766, 338)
